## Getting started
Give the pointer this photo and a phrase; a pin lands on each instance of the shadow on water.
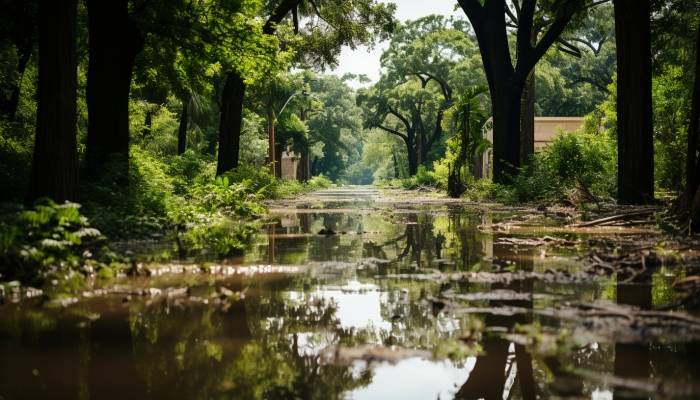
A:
(282, 337)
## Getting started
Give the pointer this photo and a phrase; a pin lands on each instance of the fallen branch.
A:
(614, 218)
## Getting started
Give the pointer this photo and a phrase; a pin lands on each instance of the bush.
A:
(49, 241)
(576, 166)
(423, 178)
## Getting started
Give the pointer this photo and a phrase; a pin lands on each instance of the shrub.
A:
(49, 241)
(575, 166)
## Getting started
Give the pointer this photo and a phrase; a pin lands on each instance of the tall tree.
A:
(233, 96)
(420, 82)
(635, 130)
(115, 40)
(323, 27)
(692, 191)
(506, 80)
(55, 163)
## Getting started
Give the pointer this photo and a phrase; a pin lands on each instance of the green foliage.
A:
(576, 166)
(49, 241)
(671, 113)
(424, 178)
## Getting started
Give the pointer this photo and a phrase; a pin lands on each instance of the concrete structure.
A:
(545, 130)
(288, 164)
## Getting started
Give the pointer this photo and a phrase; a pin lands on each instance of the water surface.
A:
(362, 280)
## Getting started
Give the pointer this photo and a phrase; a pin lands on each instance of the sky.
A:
(365, 61)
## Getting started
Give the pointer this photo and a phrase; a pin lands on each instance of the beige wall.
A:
(545, 130)
(547, 127)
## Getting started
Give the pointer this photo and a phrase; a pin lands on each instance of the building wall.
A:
(546, 129)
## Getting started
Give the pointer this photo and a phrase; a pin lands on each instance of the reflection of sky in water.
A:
(414, 379)
(599, 394)
(358, 305)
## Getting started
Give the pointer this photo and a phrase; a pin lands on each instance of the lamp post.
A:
(271, 119)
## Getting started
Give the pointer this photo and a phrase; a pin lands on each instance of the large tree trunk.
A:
(692, 194)
(230, 123)
(506, 132)
(182, 129)
(55, 163)
(635, 175)
(114, 43)
(527, 120)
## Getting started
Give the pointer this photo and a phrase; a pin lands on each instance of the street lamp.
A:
(271, 119)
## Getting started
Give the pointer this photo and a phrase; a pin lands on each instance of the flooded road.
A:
(355, 294)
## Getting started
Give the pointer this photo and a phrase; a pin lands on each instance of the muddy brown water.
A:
(368, 312)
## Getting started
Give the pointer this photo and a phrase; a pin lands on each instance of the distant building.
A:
(288, 164)
(545, 130)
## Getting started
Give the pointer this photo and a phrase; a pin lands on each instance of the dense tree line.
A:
(103, 71)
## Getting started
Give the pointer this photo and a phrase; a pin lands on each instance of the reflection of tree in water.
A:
(297, 370)
(457, 244)
(469, 241)
(491, 377)
(263, 347)
(337, 246)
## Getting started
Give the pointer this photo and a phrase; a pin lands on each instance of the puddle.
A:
(353, 296)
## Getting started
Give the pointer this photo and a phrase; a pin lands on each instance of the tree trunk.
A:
(411, 154)
(527, 120)
(182, 129)
(147, 123)
(635, 175)
(304, 165)
(397, 175)
(55, 163)
(271, 148)
(114, 43)
(230, 123)
(506, 132)
(692, 164)
(8, 108)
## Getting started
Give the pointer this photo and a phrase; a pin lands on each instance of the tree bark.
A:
(55, 162)
(692, 192)
(230, 123)
(506, 132)
(527, 120)
(114, 42)
(635, 141)
(411, 152)
(182, 128)
(692, 164)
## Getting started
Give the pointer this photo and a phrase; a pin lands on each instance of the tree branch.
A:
(569, 48)
(446, 90)
(399, 116)
(393, 132)
(560, 21)
(280, 12)
(524, 38)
